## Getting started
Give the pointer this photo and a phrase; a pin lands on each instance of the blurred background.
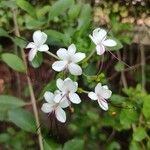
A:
(126, 126)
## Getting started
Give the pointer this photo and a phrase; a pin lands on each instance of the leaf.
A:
(37, 61)
(23, 119)
(139, 134)
(59, 7)
(55, 37)
(13, 61)
(48, 87)
(117, 99)
(74, 11)
(26, 6)
(146, 107)
(119, 66)
(74, 144)
(4, 33)
(127, 117)
(10, 102)
(7, 103)
(113, 146)
(84, 18)
(19, 42)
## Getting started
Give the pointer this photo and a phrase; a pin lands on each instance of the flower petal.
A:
(59, 84)
(32, 54)
(74, 69)
(64, 104)
(47, 108)
(39, 37)
(58, 97)
(59, 65)
(43, 48)
(99, 34)
(105, 93)
(72, 49)
(49, 97)
(78, 57)
(69, 85)
(60, 114)
(74, 98)
(100, 49)
(62, 54)
(31, 45)
(98, 88)
(93, 39)
(109, 43)
(103, 104)
(92, 96)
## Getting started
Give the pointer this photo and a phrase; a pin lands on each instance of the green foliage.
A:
(74, 144)
(23, 119)
(26, 6)
(13, 61)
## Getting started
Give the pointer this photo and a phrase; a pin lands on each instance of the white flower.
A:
(101, 94)
(39, 38)
(68, 90)
(99, 38)
(68, 60)
(56, 108)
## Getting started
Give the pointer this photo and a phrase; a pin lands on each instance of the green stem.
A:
(51, 54)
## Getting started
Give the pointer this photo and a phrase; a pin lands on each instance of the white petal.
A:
(92, 96)
(43, 48)
(60, 114)
(62, 54)
(103, 104)
(32, 54)
(49, 97)
(64, 104)
(39, 37)
(69, 85)
(109, 43)
(93, 39)
(47, 108)
(98, 88)
(74, 98)
(58, 97)
(31, 45)
(72, 49)
(105, 87)
(59, 65)
(59, 84)
(74, 69)
(78, 57)
(100, 49)
(105, 93)
(99, 34)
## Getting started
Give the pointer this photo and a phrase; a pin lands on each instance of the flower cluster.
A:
(68, 60)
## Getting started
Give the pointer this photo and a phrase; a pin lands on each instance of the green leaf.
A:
(74, 144)
(55, 37)
(146, 107)
(26, 6)
(23, 119)
(74, 11)
(48, 87)
(59, 7)
(4, 33)
(37, 61)
(13, 61)
(19, 42)
(117, 99)
(127, 117)
(9, 102)
(139, 134)
(113, 146)
(119, 66)
(85, 18)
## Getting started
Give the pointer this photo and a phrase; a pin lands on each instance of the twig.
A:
(123, 78)
(35, 110)
(51, 54)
